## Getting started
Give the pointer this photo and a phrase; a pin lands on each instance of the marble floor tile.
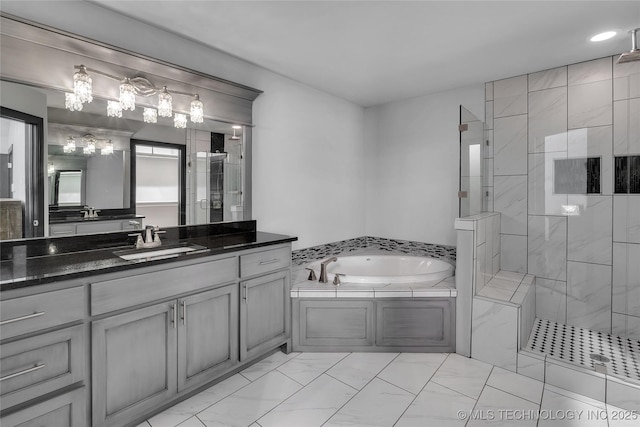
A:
(188, 408)
(437, 406)
(502, 409)
(378, 404)
(518, 385)
(311, 406)
(308, 366)
(464, 375)
(143, 424)
(254, 372)
(251, 402)
(619, 417)
(357, 369)
(411, 371)
(192, 422)
(558, 410)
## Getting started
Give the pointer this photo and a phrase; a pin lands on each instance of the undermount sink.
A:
(161, 252)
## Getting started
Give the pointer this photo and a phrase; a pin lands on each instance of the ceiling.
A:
(373, 52)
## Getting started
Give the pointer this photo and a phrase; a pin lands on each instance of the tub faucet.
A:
(323, 269)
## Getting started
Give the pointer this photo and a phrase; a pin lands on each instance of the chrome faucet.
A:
(90, 212)
(151, 237)
(323, 269)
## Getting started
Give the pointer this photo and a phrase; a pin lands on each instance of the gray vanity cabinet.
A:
(65, 410)
(264, 313)
(134, 363)
(207, 335)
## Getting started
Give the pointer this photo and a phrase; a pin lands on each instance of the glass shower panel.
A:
(471, 163)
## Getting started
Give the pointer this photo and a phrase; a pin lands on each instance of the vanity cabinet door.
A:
(134, 363)
(207, 335)
(264, 313)
(65, 410)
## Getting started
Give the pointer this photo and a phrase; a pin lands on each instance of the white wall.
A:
(412, 156)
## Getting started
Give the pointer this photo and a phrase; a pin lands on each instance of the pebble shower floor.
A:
(576, 345)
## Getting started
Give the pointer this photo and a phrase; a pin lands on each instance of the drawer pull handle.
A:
(271, 261)
(26, 371)
(17, 319)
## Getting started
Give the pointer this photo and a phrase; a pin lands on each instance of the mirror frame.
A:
(27, 46)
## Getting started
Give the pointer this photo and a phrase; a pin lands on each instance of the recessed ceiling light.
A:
(603, 36)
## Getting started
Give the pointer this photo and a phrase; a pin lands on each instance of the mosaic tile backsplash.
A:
(445, 253)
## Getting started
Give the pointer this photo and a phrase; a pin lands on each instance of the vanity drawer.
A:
(28, 314)
(129, 291)
(65, 410)
(62, 229)
(35, 366)
(265, 261)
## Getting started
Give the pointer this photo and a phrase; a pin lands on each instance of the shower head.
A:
(634, 53)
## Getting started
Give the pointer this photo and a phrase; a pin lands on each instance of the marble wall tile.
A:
(623, 395)
(547, 247)
(510, 199)
(488, 173)
(494, 336)
(488, 144)
(590, 234)
(626, 127)
(548, 120)
(487, 199)
(594, 142)
(488, 115)
(626, 278)
(590, 104)
(542, 199)
(626, 80)
(513, 253)
(551, 300)
(510, 145)
(527, 315)
(510, 96)
(625, 325)
(590, 71)
(626, 218)
(496, 235)
(530, 366)
(589, 296)
(488, 91)
(547, 79)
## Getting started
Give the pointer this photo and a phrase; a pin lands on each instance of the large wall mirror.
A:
(128, 166)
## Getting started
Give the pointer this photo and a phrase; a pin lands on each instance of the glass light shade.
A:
(107, 149)
(114, 109)
(70, 146)
(91, 147)
(150, 115)
(87, 151)
(82, 86)
(165, 103)
(180, 120)
(197, 110)
(50, 168)
(71, 102)
(127, 95)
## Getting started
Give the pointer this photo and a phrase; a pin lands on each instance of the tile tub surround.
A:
(582, 263)
(388, 389)
(374, 245)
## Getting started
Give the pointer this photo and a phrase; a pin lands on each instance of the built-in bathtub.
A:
(384, 303)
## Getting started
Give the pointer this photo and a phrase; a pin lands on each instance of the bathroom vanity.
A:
(89, 338)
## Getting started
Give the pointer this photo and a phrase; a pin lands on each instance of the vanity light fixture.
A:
(71, 102)
(165, 104)
(70, 146)
(150, 115)
(197, 110)
(82, 85)
(107, 149)
(90, 148)
(130, 87)
(180, 120)
(127, 95)
(114, 109)
(50, 168)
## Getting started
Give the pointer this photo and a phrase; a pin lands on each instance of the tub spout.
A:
(323, 269)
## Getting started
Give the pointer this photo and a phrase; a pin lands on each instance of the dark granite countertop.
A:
(79, 218)
(39, 261)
